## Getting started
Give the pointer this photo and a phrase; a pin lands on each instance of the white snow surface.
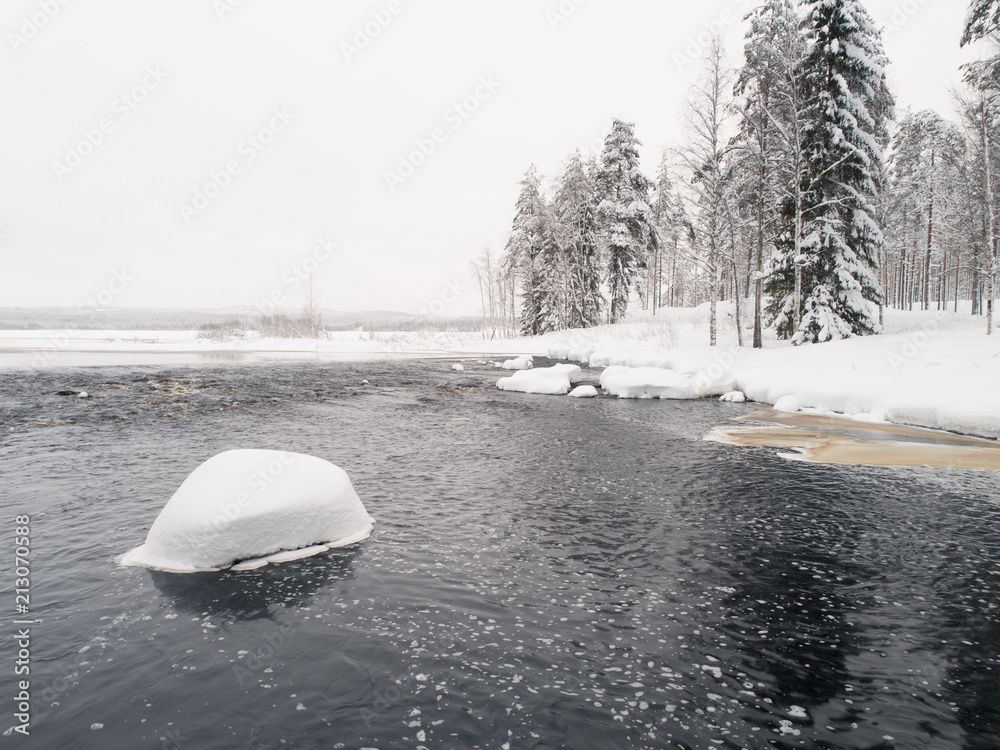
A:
(929, 369)
(523, 362)
(647, 382)
(255, 506)
(584, 391)
(551, 381)
(788, 403)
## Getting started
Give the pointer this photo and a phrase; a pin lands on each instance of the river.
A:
(545, 572)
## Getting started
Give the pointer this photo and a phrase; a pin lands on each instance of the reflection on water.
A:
(545, 572)
(250, 594)
(829, 439)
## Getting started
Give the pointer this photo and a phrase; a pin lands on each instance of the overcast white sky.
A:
(70, 230)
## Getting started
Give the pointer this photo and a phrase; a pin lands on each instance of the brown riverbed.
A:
(840, 440)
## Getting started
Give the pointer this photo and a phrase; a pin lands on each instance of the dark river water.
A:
(545, 572)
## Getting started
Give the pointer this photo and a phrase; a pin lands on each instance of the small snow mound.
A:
(549, 381)
(256, 506)
(584, 391)
(458, 367)
(83, 394)
(735, 397)
(647, 382)
(519, 363)
(787, 403)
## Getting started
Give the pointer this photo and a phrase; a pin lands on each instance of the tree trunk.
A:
(930, 238)
(991, 211)
(797, 316)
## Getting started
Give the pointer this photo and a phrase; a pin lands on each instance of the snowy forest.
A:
(803, 194)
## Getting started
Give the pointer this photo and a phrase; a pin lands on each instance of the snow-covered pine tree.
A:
(983, 22)
(767, 106)
(576, 216)
(925, 154)
(624, 213)
(552, 276)
(524, 248)
(846, 133)
(673, 226)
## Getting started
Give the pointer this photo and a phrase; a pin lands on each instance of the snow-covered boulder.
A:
(458, 367)
(787, 403)
(584, 391)
(253, 505)
(573, 372)
(735, 397)
(541, 381)
(647, 382)
(518, 363)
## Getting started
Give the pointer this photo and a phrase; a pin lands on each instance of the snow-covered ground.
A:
(936, 370)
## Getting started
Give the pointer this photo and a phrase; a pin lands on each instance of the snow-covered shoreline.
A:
(933, 370)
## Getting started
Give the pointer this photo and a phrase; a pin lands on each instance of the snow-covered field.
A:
(936, 370)
(47, 346)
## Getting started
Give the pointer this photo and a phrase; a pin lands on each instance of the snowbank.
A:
(647, 382)
(247, 505)
(551, 381)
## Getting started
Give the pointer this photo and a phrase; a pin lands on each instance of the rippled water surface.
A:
(545, 572)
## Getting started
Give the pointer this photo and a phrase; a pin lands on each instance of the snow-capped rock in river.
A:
(647, 382)
(518, 363)
(254, 505)
(552, 381)
(584, 391)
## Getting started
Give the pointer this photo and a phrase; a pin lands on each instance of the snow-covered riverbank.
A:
(936, 370)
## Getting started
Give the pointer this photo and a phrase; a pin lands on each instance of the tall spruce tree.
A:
(576, 216)
(625, 214)
(849, 104)
(552, 277)
(524, 250)
(767, 111)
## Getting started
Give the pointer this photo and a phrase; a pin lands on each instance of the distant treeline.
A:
(219, 322)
